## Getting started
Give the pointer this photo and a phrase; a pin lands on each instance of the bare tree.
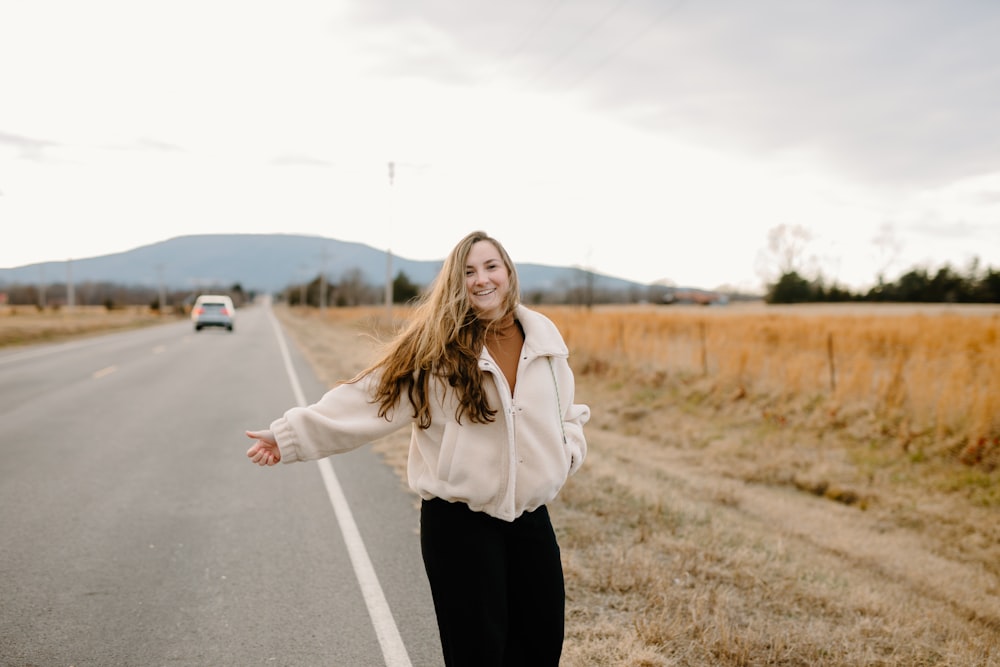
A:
(353, 290)
(785, 253)
(888, 246)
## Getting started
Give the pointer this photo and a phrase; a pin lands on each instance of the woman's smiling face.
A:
(487, 280)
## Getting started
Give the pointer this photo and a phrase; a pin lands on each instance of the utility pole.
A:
(162, 296)
(70, 288)
(322, 283)
(304, 273)
(303, 295)
(388, 251)
(42, 287)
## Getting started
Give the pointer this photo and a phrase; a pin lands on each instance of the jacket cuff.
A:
(285, 437)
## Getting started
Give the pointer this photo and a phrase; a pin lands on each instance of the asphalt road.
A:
(134, 531)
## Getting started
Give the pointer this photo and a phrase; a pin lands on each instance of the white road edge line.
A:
(393, 651)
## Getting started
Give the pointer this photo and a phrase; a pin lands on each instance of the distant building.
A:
(692, 295)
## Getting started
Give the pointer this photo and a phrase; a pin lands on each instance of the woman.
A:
(485, 385)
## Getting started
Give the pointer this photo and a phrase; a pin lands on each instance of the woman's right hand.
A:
(264, 451)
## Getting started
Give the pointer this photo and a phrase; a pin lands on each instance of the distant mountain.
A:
(269, 263)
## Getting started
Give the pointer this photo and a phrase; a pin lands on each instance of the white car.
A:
(213, 310)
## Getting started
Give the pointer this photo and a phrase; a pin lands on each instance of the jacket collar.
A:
(541, 337)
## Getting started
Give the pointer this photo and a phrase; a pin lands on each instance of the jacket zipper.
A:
(511, 451)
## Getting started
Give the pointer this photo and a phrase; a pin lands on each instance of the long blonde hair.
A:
(443, 340)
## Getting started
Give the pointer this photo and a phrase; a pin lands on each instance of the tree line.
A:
(946, 285)
(583, 288)
(919, 285)
(112, 295)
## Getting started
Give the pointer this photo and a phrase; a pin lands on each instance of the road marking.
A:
(46, 350)
(393, 651)
(107, 370)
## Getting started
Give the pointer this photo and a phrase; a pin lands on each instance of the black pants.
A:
(497, 586)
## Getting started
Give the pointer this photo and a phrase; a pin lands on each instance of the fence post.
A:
(830, 361)
(704, 349)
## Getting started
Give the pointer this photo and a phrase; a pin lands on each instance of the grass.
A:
(929, 383)
(21, 325)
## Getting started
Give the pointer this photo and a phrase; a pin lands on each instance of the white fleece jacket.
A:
(507, 467)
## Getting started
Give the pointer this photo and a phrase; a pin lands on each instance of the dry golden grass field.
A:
(28, 324)
(767, 486)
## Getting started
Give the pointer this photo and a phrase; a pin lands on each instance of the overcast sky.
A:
(646, 139)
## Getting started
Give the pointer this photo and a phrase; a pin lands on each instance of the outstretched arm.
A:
(264, 451)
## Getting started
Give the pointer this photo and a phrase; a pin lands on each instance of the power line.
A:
(528, 36)
(579, 40)
(614, 53)
(534, 29)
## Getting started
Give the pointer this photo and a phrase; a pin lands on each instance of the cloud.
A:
(887, 92)
(28, 148)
